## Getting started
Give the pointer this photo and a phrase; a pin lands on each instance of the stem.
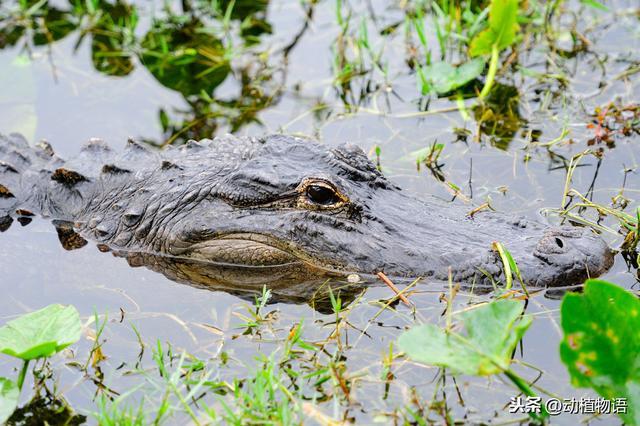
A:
(493, 69)
(520, 383)
(526, 389)
(23, 373)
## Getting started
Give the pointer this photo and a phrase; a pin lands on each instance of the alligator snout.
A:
(574, 253)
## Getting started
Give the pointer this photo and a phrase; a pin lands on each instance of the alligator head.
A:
(286, 203)
(297, 207)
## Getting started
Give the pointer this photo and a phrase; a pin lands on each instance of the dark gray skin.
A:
(250, 206)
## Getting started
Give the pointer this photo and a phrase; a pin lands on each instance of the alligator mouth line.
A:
(253, 250)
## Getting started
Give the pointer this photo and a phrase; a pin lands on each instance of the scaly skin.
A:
(277, 204)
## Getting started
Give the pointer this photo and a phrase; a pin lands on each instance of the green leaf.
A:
(481, 44)
(9, 394)
(41, 333)
(492, 332)
(601, 344)
(442, 77)
(595, 4)
(502, 29)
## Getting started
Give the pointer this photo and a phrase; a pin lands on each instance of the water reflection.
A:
(111, 29)
(499, 116)
(297, 284)
(184, 57)
(188, 49)
(45, 410)
(292, 283)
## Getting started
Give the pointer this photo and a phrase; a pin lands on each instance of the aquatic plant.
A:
(601, 344)
(500, 34)
(492, 332)
(32, 336)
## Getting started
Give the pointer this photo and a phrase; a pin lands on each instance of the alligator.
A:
(234, 209)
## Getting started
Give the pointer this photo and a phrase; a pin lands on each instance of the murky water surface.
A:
(519, 162)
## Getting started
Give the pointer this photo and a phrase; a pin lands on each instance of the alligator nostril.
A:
(559, 242)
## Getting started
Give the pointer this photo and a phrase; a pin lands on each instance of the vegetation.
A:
(600, 344)
(599, 348)
(186, 50)
(493, 331)
(33, 336)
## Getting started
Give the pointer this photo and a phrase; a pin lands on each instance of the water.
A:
(54, 92)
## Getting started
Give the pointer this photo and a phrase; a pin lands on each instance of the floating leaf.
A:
(41, 333)
(493, 330)
(9, 394)
(502, 28)
(444, 78)
(601, 344)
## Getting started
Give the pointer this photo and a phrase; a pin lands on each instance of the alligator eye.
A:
(321, 194)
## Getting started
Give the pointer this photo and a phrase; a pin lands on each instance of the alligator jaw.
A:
(244, 249)
(239, 251)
